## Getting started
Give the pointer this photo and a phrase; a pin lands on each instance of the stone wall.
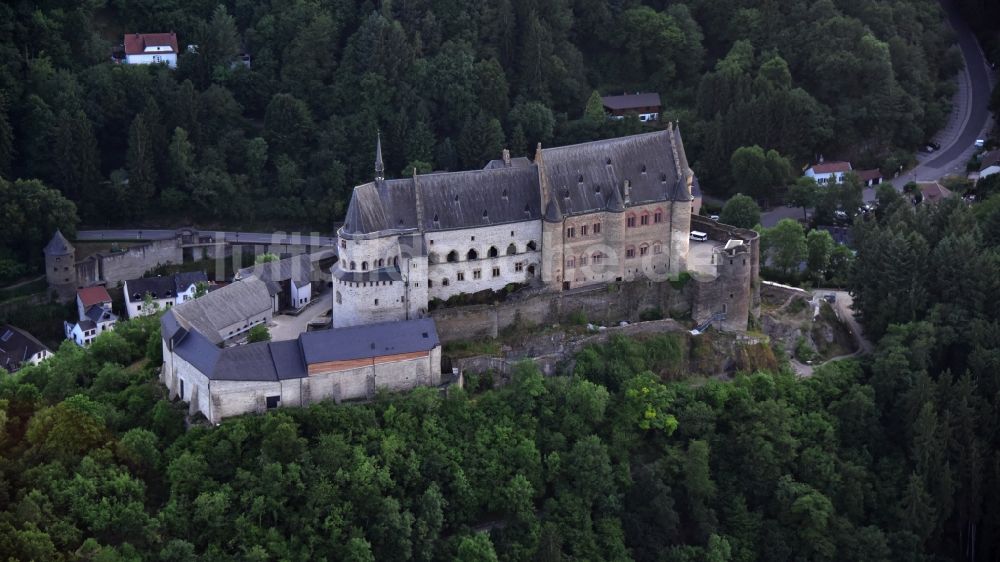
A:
(735, 291)
(113, 269)
(605, 304)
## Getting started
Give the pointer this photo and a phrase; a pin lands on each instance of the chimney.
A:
(506, 158)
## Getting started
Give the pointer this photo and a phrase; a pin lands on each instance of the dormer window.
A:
(527, 210)
(663, 178)
(486, 215)
(504, 195)
(644, 168)
(435, 217)
(580, 179)
(456, 198)
(565, 193)
(597, 189)
(608, 161)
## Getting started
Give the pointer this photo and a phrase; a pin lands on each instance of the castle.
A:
(587, 214)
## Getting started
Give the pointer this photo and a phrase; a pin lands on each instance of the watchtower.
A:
(60, 266)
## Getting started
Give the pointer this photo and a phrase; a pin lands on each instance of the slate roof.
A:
(16, 347)
(371, 340)
(631, 101)
(582, 177)
(296, 268)
(98, 313)
(274, 361)
(58, 246)
(831, 167)
(164, 287)
(93, 295)
(232, 304)
(519, 162)
(136, 43)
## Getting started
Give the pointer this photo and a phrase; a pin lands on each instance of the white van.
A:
(698, 236)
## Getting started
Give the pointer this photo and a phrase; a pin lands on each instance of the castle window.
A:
(630, 252)
(364, 266)
(472, 254)
(658, 216)
(583, 261)
(570, 262)
(493, 252)
(511, 250)
(376, 302)
(430, 284)
(477, 274)
(381, 262)
(395, 261)
(519, 267)
(643, 250)
(571, 232)
(353, 266)
(630, 221)
(644, 219)
(343, 244)
(532, 246)
(452, 256)
(496, 272)
(583, 230)
(444, 282)
(597, 257)
(460, 276)
(657, 249)
(597, 228)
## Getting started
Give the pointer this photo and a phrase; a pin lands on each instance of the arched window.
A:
(630, 252)
(511, 250)
(493, 252)
(395, 261)
(657, 216)
(452, 256)
(570, 262)
(531, 270)
(532, 246)
(597, 257)
(444, 281)
(432, 258)
(583, 260)
(364, 266)
(630, 221)
(381, 262)
(353, 266)
(644, 218)
(643, 249)
(339, 299)
(472, 254)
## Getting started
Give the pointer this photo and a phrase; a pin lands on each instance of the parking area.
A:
(700, 257)
(287, 327)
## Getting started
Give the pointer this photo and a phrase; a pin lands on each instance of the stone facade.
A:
(615, 210)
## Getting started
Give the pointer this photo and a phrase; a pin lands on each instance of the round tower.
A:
(60, 266)
(613, 230)
(552, 246)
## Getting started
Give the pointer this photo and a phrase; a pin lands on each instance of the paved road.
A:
(287, 327)
(314, 239)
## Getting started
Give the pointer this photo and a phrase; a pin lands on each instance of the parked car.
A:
(714, 217)
(830, 297)
(980, 143)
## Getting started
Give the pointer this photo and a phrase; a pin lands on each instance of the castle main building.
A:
(592, 213)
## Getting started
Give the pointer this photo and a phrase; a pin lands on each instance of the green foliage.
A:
(258, 333)
(784, 245)
(740, 211)
(577, 318)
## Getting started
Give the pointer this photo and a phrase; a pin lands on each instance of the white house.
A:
(829, 172)
(93, 304)
(165, 292)
(151, 48)
(289, 281)
(19, 348)
(989, 164)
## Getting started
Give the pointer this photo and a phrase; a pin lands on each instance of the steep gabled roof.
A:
(831, 168)
(58, 246)
(16, 347)
(136, 43)
(93, 295)
(210, 314)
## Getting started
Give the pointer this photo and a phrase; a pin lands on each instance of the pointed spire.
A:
(379, 166)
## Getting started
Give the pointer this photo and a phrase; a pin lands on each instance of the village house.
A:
(289, 281)
(151, 48)
(224, 316)
(93, 306)
(19, 348)
(933, 192)
(989, 164)
(828, 172)
(869, 178)
(646, 105)
(164, 292)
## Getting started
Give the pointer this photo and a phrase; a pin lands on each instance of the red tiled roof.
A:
(831, 167)
(136, 43)
(93, 295)
(933, 191)
(868, 175)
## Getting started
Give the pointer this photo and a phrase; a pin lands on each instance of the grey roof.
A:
(381, 274)
(163, 287)
(552, 213)
(991, 158)
(519, 162)
(58, 246)
(372, 340)
(87, 324)
(631, 101)
(287, 359)
(296, 268)
(16, 347)
(234, 303)
(97, 313)
(582, 177)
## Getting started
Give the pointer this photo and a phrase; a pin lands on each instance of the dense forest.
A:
(622, 456)
(448, 83)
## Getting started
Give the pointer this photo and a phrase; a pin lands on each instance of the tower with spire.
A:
(379, 165)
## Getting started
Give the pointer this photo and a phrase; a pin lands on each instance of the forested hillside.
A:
(448, 83)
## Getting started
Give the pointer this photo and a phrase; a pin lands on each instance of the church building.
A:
(592, 213)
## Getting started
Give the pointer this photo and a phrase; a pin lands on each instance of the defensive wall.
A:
(733, 295)
(115, 268)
